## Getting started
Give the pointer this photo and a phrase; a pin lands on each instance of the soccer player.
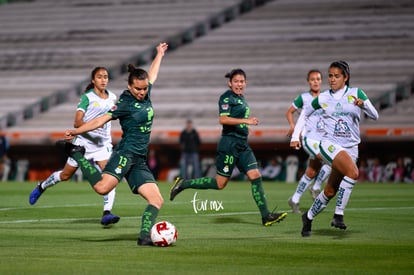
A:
(95, 101)
(341, 106)
(311, 137)
(233, 149)
(129, 159)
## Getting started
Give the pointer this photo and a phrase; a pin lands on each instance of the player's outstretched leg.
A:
(198, 183)
(176, 188)
(35, 194)
(273, 218)
(109, 218)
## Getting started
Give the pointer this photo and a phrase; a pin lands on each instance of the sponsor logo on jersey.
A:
(342, 129)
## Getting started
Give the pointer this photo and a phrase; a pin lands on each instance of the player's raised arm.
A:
(156, 63)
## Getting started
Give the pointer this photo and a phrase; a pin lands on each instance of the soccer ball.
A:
(163, 234)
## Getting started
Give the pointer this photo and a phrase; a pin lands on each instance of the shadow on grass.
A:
(85, 221)
(117, 237)
(335, 233)
(227, 220)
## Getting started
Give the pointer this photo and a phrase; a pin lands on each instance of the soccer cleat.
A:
(145, 241)
(307, 225)
(109, 219)
(176, 188)
(36, 193)
(338, 221)
(70, 148)
(314, 193)
(273, 218)
(294, 206)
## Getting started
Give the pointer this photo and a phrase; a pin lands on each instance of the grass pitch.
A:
(219, 232)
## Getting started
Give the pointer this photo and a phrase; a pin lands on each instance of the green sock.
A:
(259, 196)
(200, 183)
(90, 172)
(148, 220)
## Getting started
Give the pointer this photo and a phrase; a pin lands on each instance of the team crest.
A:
(118, 170)
(226, 169)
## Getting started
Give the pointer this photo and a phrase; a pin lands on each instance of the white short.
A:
(99, 155)
(311, 146)
(329, 150)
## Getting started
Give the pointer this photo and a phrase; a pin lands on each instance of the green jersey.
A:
(233, 105)
(135, 118)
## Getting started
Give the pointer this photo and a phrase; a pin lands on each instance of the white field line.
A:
(203, 214)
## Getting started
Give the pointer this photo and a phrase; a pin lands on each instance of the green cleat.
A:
(273, 218)
(176, 188)
(145, 241)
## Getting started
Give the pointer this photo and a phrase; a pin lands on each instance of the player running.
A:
(341, 107)
(233, 149)
(311, 137)
(129, 159)
(95, 101)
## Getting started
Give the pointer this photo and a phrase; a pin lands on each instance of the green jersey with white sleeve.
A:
(94, 106)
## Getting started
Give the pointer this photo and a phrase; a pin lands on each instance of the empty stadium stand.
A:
(48, 48)
(276, 44)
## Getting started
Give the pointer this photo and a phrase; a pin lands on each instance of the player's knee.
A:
(221, 182)
(329, 191)
(64, 177)
(310, 173)
(101, 189)
(353, 174)
(221, 186)
(253, 174)
(156, 201)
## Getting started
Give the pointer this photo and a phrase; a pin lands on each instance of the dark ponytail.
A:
(136, 73)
